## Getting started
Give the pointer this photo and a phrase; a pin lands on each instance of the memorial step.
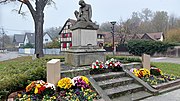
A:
(115, 82)
(123, 90)
(134, 96)
(106, 76)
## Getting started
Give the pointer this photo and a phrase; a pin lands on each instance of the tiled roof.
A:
(155, 36)
(31, 37)
(18, 38)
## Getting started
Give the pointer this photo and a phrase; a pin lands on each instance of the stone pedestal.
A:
(84, 56)
(84, 41)
(84, 37)
(53, 71)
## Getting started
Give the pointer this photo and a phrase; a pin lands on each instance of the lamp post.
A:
(113, 23)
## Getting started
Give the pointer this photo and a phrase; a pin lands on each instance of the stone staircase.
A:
(118, 86)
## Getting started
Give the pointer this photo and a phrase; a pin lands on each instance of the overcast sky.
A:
(103, 11)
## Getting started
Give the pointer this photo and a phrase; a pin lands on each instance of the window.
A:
(64, 45)
(46, 39)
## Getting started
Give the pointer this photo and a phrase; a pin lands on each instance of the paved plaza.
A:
(170, 96)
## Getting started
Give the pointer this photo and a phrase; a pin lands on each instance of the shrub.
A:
(18, 75)
(28, 45)
(54, 44)
(138, 47)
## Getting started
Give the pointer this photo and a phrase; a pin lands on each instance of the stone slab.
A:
(53, 71)
(84, 37)
(83, 58)
(146, 61)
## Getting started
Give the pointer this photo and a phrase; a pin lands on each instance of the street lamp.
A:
(113, 23)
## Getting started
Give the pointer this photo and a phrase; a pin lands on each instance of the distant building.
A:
(18, 40)
(29, 38)
(66, 36)
(47, 38)
(118, 38)
(159, 36)
(21, 40)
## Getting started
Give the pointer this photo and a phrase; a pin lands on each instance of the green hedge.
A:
(124, 59)
(138, 47)
(17, 74)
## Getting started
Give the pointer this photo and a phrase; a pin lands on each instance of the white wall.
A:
(26, 40)
(46, 39)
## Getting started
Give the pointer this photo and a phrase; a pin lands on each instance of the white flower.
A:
(74, 80)
(97, 61)
(50, 85)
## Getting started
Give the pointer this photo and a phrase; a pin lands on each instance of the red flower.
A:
(41, 89)
(101, 66)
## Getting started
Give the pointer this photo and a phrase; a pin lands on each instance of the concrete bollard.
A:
(146, 61)
(53, 71)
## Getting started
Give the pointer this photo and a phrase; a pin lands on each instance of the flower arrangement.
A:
(156, 71)
(154, 76)
(154, 80)
(78, 91)
(113, 64)
(135, 72)
(97, 65)
(143, 72)
(81, 81)
(37, 90)
(65, 83)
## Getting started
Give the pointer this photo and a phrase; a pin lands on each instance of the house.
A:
(47, 38)
(29, 38)
(20, 40)
(159, 36)
(66, 36)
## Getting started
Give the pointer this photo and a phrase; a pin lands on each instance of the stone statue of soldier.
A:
(85, 12)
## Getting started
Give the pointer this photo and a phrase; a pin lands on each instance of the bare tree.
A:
(160, 21)
(37, 13)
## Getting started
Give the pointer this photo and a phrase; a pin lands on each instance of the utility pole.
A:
(3, 39)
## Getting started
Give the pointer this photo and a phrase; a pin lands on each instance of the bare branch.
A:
(20, 8)
(5, 1)
(29, 5)
(49, 2)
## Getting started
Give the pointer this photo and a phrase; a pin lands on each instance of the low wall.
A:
(170, 53)
(32, 50)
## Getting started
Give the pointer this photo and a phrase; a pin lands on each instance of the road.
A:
(165, 59)
(10, 55)
(170, 96)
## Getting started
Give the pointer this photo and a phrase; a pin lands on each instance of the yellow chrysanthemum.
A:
(65, 83)
(144, 72)
(85, 79)
(36, 88)
(30, 86)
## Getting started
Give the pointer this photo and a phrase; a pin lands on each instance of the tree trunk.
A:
(39, 34)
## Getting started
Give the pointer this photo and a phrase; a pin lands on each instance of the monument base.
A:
(84, 56)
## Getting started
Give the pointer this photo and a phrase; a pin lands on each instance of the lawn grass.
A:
(168, 68)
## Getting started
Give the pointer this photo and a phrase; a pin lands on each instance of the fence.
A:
(32, 50)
